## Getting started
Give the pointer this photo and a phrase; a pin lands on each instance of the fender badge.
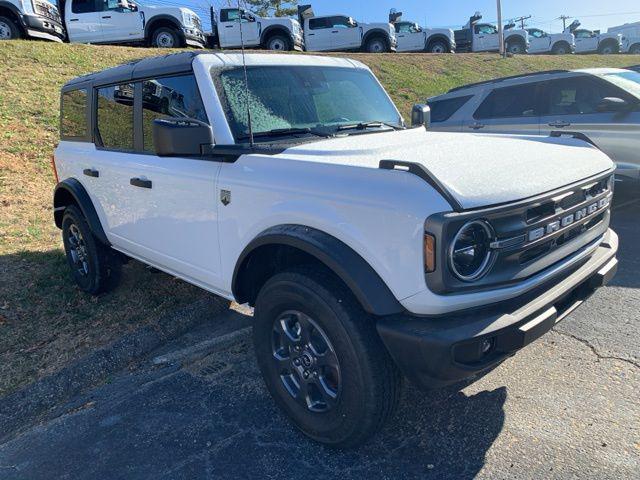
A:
(225, 197)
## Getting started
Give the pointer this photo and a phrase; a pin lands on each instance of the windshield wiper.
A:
(278, 132)
(365, 125)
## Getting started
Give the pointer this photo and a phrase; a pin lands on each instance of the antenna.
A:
(246, 80)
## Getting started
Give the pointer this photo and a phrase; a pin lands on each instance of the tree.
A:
(276, 8)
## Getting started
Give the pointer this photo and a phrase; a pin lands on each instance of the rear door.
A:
(229, 28)
(317, 34)
(572, 104)
(485, 38)
(344, 35)
(83, 21)
(538, 41)
(120, 24)
(586, 41)
(511, 110)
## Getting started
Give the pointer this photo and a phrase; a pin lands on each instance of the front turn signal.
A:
(429, 253)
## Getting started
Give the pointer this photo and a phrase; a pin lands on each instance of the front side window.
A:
(537, 33)
(578, 95)
(443, 110)
(169, 97)
(582, 34)
(318, 23)
(302, 97)
(486, 29)
(74, 114)
(86, 6)
(340, 22)
(509, 102)
(114, 116)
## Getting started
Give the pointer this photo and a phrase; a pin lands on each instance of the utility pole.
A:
(500, 29)
(521, 20)
(564, 19)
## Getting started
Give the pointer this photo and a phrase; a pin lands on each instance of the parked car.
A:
(484, 37)
(31, 19)
(630, 37)
(121, 21)
(592, 41)
(343, 33)
(414, 38)
(478, 255)
(270, 33)
(603, 104)
(556, 43)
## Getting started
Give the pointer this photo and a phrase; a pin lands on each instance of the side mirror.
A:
(421, 116)
(180, 136)
(612, 104)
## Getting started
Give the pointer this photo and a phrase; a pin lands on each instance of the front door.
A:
(344, 34)
(83, 19)
(539, 41)
(120, 24)
(229, 28)
(586, 41)
(485, 38)
(411, 38)
(317, 34)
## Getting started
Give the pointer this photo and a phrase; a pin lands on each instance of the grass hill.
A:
(44, 321)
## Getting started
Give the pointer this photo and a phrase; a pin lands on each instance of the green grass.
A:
(45, 322)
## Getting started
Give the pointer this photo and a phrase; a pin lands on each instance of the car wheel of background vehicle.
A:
(278, 43)
(8, 29)
(561, 49)
(94, 266)
(322, 359)
(516, 47)
(438, 46)
(165, 37)
(607, 49)
(376, 45)
(635, 49)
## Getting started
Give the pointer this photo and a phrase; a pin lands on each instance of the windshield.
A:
(301, 97)
(629, 81)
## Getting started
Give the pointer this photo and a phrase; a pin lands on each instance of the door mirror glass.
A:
(612, 104)
(421, 116)
(181, 137)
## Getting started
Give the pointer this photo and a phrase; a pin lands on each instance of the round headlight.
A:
(470, 251)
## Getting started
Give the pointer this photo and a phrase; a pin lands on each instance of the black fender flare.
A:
(150, 23)
(632, 46)
(436, 37)
(73, 188)
(363, 281)
(16, 12)
(374, 33)
(517, 38)
(276, 29)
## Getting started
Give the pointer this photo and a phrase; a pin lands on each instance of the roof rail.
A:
(502, 79)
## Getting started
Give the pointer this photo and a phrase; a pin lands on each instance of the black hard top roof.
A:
(138, 69)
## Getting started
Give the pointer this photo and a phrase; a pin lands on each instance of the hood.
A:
(477, 169)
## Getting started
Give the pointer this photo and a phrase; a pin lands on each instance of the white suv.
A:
(368, 249)
(603, 104)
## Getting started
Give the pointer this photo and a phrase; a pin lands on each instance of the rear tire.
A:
(166, 37)
(94, 267)
(516, 47)
(635, 49)
(376, 45)
(8, 29)
(561, 48)
(438, 46)
(278, 43)
(349, 393)
(608, 49)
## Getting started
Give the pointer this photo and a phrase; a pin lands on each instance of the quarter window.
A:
(173, 97)
(442, 110)
(115, 116)
(74, 114)
(518, 101)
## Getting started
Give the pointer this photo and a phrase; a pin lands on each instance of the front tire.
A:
(165, 37)
(322, 359)
(8, 29)
(516, 47)
(608, 49)
(94, 267)
(438, 46)
(561, 49)
(278, 43)
(635, 49)
(377, 45)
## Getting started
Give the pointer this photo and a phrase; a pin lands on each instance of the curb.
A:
(22, 407)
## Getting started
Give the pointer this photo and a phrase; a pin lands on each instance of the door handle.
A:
(90, 172)
(139, 182)
(560, 124)
(74, 19)
(477, 126)
(107, 16)
(228, 26)
(334, 31)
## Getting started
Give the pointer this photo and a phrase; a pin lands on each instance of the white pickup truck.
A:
(369, 249)
(30, 18)
(555, 43)
(484, 37)
(122, 21)
(630, 37)
(269, 33)
(414, 38)
(592, 41)
(343, 33)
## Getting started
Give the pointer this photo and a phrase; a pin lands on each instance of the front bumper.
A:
(42, 27)
(194, 37)
(437, 351)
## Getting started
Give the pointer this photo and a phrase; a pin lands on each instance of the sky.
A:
(593, 14)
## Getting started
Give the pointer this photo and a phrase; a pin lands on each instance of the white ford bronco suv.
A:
(370, 250)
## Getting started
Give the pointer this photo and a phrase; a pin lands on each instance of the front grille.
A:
(530, 236)
(197, 23)
(48, 11)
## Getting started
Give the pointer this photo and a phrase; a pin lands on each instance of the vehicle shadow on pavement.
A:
(624, 221)
(213, 418)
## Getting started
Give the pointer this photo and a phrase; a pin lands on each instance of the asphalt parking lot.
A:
(565, 407)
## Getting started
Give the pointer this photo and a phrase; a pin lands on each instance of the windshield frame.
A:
(327, 130)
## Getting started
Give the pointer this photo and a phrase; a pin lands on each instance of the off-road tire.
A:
(376, 44)
(278, 43)
(160, 38)
(14, 32)
(102, 264)
(561, 48)
(370, 382)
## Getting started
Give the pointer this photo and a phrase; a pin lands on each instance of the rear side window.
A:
(115, 116)
(73, 122)
(442, 110)
(174, 97)
(518, 101)
(85, 6)
(318, 23)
